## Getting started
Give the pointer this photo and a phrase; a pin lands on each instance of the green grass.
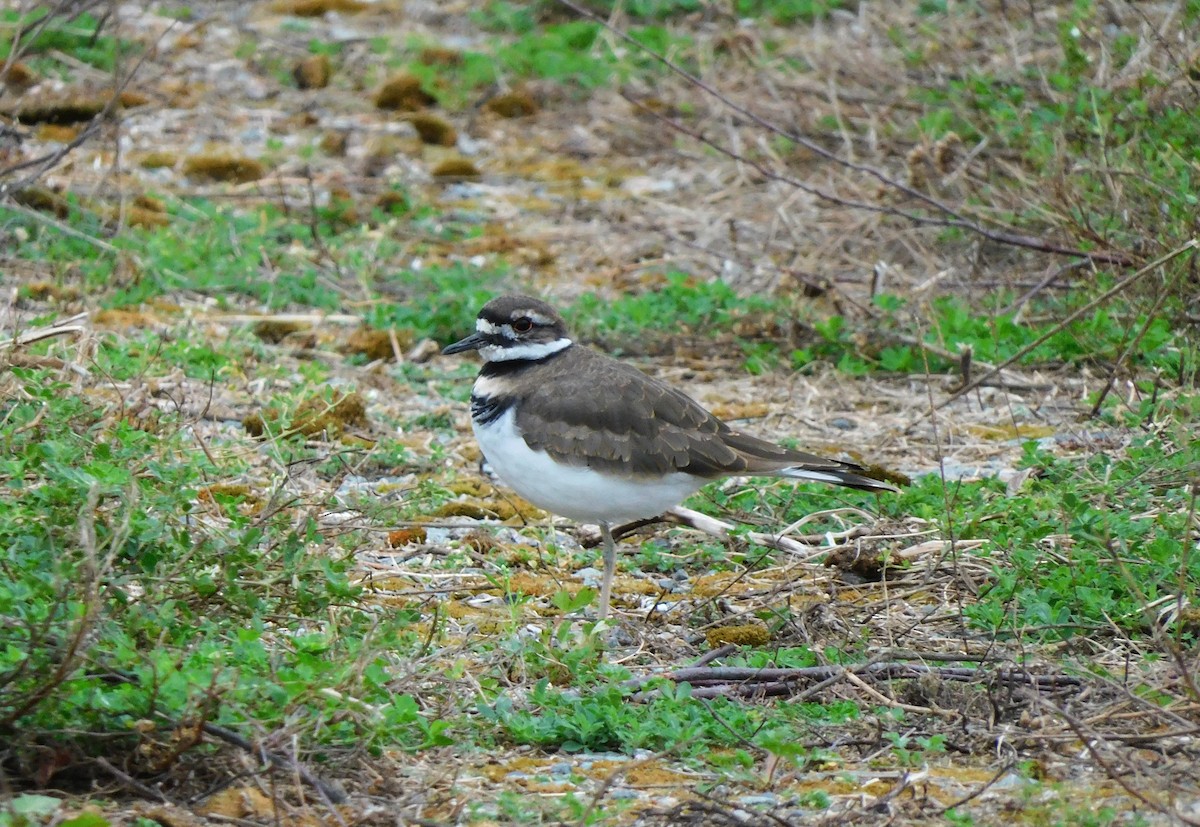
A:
(784, 12)
(1078, 547)
(219, 253)
(950, 323)
(604, 720)
(683, 304)
(222, 258)
(1125, 522)
(571, 53)
(1082, 546)
(45, 32)
(686, 305)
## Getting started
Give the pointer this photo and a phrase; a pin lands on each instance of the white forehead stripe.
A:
(533, 351)
(484, 326)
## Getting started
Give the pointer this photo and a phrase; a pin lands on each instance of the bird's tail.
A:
(836, 476)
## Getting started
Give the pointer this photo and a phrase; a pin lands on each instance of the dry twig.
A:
(330, 792)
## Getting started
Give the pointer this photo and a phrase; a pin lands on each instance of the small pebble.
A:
(591, 577)
(843, 424)
(1011, 781)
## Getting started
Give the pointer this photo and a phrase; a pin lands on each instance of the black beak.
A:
(472, 342)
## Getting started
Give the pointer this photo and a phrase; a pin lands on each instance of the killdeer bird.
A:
(587, 437)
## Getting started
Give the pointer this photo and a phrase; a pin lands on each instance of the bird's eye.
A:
(523, 324)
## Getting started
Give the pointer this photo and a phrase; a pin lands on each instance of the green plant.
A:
(682, 304)
(183, 619)
(44, 32)
(604, 719)
(1118, 561)
(784, 12)
(570, 53)
(910, 751)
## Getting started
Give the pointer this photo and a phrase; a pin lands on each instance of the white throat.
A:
(531, 351)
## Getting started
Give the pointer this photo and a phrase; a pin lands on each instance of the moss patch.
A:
(456, 167)
(315, 416)
(223, 166)
(313, 72)
(434, 130)
(403, 93)
(514, 104)
(318, 8)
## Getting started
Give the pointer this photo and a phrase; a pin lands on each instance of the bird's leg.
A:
(610, 568)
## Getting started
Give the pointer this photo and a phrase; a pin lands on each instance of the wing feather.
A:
(639, 426)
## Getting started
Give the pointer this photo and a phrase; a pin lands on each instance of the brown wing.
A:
(636, 425)
(633, 424)
(762, 457)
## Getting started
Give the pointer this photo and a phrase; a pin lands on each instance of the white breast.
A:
(578, 493)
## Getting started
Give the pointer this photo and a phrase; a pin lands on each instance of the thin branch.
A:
(1111, 379)
(60, 226)
(326, 789)
(130, 782)
(45, 163)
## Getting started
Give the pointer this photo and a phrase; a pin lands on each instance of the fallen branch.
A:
(744, 681)
(131, 783)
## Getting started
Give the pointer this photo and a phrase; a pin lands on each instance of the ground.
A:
(928, 698)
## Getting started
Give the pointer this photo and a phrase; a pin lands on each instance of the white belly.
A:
(577, 493)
